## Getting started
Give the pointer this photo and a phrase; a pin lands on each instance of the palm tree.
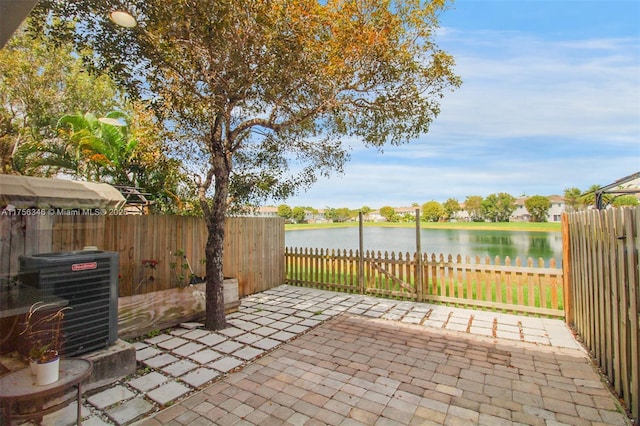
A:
(588, 197)
(573, 199)
(111, 149)
(100, 149)
(86, 147)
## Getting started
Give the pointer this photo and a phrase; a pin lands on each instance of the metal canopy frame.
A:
(135, 197)
(614, 188)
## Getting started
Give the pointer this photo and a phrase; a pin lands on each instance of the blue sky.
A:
(550, 100)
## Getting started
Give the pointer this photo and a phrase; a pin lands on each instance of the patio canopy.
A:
(26, 192)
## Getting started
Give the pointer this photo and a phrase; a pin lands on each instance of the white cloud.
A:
(546, 89)
(533, 116)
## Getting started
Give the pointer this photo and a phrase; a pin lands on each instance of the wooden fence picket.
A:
(473, 282)
(603, 251)
(256, 262)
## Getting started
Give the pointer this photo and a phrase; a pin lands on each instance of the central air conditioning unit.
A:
(88, 280)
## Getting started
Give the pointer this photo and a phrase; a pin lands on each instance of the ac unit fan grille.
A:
(91, 289)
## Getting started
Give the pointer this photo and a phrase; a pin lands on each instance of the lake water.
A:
(523, 244)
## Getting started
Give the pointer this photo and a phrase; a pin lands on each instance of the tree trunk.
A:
(215, 217)
(215, 318)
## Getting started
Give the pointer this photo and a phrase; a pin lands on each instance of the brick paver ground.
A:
(183, 365)
(358, 370)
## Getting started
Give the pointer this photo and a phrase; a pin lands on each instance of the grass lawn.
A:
(484, 226)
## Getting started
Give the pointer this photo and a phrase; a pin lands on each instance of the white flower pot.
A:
(47, 372)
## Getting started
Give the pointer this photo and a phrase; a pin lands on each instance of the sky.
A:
(550, 100)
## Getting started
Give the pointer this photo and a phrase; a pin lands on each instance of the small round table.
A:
(20, 386)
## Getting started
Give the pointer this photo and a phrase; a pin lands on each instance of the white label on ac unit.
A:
(84, 266)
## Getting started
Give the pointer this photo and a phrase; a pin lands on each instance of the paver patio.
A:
(356, 370)
(350, 359)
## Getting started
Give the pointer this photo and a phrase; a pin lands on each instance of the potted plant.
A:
(42, 332)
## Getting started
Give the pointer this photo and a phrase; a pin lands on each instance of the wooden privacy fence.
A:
(528, 288)
(605, 296)
(156, 252)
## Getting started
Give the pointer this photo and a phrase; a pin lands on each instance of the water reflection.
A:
(471, 243)
(542, 246)
(494, 244)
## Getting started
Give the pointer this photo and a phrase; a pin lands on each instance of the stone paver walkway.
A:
(355, 370)
(177, 363)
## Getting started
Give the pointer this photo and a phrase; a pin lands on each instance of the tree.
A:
(311, 210)
(473, 206)
(94, 150)
(87, 148)
(298, 214)
(572, 199)
(154, 171)
(432, 211)
(341, 214)
(330, 214)
(388, 213)
(41, 81)
(407, 217)
(588, 197)
(365, 210)
(284, 211)
(538, 207)
(344, 214)
(451, 207)
(255, 86)
(624, 200)
(498, 207)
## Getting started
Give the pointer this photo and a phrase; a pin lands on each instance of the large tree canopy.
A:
(49, 106)
(39, 83)
(498, 207)
(432, 211)
(264, 93)
(128, 154)
(473, 206)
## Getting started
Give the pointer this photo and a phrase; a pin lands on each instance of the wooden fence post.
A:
(361, 255)
(418, 257)
(566, 271)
